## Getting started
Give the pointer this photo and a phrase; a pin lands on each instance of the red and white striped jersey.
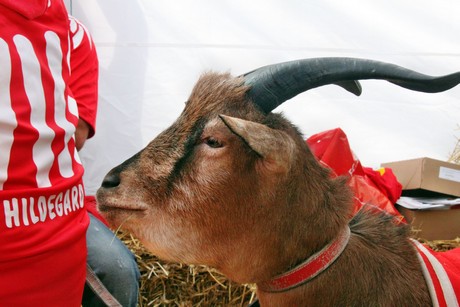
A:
(42, 216)
(38, 115)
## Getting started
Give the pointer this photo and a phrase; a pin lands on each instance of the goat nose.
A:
(111, 180)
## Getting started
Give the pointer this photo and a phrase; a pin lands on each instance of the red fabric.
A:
(450, 260)
(385, 180)
(42, 220)
(30, 9)
(442, 274)
(380, 189)
(43, 246)
(91, 206)
(37, 144)
(332, 149)
(84, 68)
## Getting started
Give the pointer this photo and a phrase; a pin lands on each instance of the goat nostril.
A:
(111, 180)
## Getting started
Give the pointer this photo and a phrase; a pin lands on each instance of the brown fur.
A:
(199, 194)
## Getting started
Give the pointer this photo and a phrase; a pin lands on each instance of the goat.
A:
(234, 186)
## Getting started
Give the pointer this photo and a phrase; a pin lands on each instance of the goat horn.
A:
(272, 85)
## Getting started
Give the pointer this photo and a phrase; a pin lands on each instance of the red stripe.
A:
(22, 170)
(434, 279)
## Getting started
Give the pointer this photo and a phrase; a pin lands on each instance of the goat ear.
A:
(274, 146)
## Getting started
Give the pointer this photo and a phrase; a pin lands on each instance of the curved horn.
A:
(272, 85)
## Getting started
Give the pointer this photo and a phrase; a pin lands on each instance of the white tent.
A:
(151, 53)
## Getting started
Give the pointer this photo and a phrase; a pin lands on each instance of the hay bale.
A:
(455, 154)
(173, 284)
(442, 245)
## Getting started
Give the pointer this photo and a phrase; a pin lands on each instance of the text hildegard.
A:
(27, 211)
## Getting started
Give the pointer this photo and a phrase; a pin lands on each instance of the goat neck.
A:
(310, 268)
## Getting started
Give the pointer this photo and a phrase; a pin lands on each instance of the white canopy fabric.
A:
(151, 53)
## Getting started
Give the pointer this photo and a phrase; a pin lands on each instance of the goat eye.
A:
(213, 143)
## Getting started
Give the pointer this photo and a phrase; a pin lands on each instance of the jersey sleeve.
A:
(84, 73)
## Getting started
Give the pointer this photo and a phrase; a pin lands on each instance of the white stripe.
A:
(73, 108)
(7, 116)
(42, 154)
(72, 105)
(77, 156)
(54, 55)
(79, 31)
(446, 285)
(427, 275)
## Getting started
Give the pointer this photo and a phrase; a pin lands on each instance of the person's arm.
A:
(82, 133)
(83, 83)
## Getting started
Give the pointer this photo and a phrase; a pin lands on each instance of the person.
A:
(43, 224)
(108, 258)
(113, 264)
(43, 220)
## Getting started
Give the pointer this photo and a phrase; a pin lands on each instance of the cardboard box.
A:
(429, 177)
(433, 224)
(427, 174)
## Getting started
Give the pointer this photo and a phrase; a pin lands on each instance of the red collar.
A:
(309, 269)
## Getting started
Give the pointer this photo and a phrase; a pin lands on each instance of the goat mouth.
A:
(109, 207)
(104, 208)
